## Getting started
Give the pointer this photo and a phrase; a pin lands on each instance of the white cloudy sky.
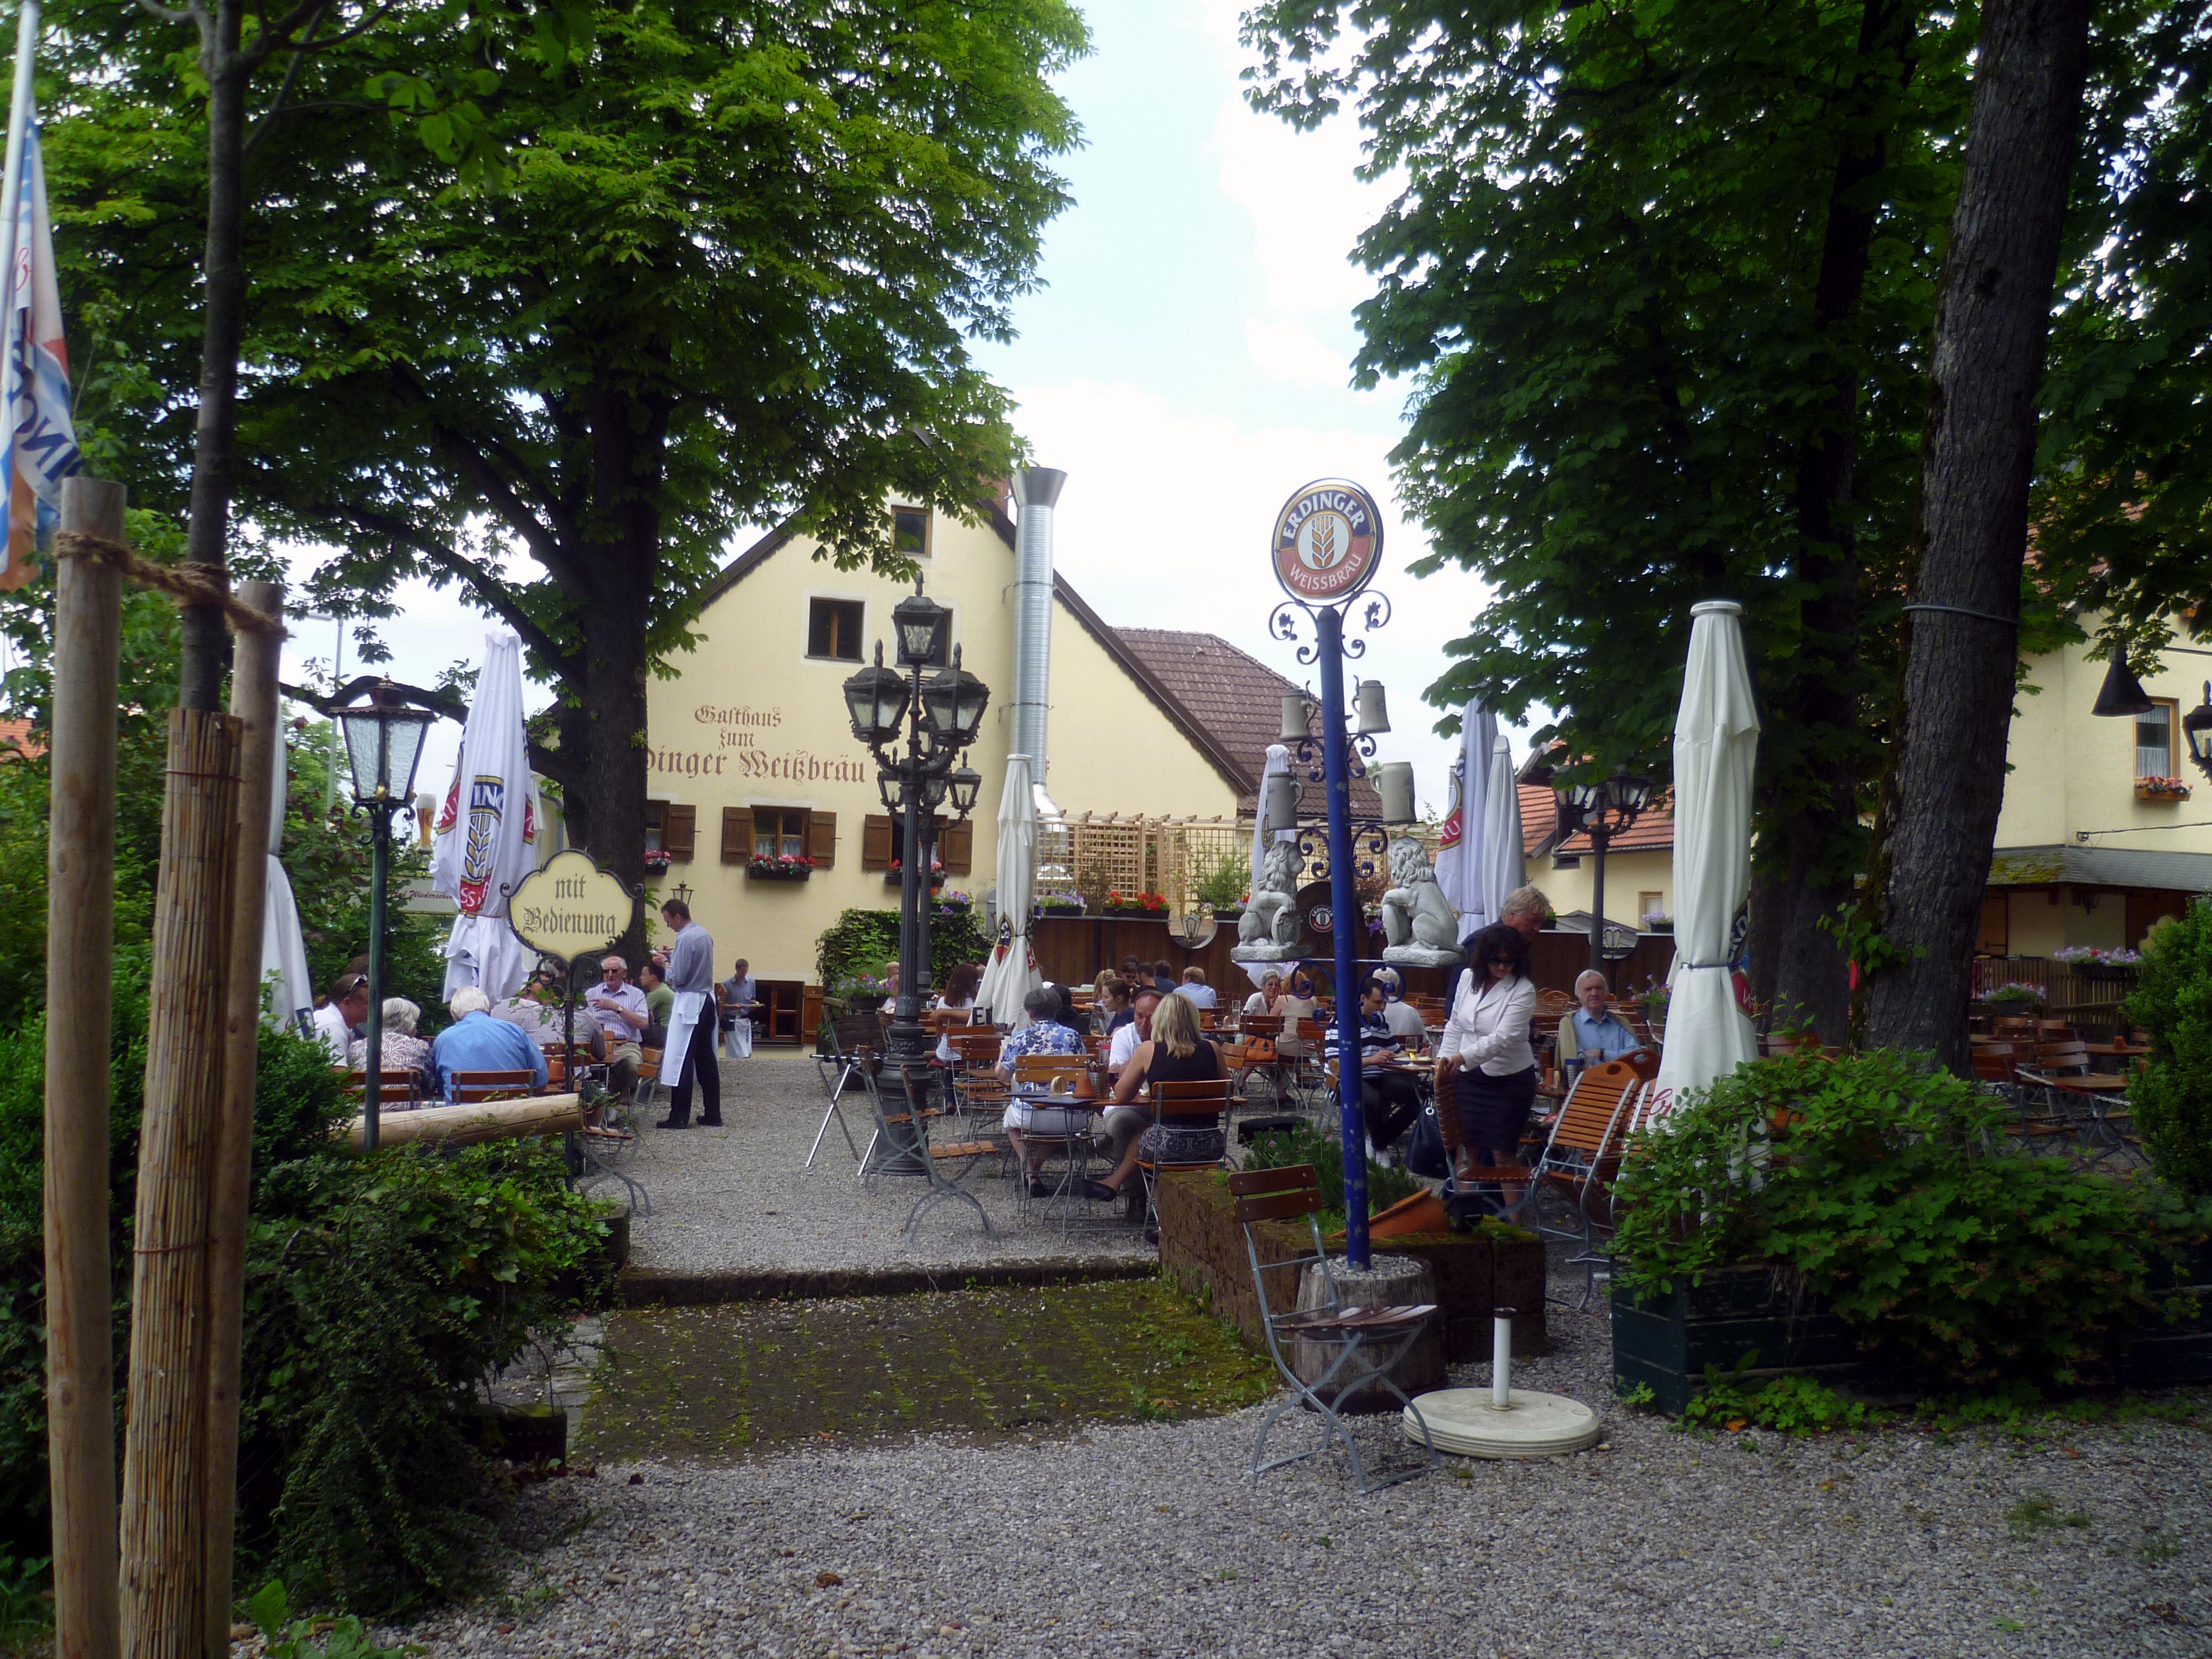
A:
(1185, 363)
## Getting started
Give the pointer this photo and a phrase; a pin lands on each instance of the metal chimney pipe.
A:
(1037, 489)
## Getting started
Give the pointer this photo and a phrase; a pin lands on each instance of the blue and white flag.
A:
(41, 438)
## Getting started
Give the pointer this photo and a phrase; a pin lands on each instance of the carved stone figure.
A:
(1422, 928)
(1268, 930)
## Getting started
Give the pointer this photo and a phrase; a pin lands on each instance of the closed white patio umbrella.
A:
(1012, 973)
(289, 999)
(1715, 743)
(1460, 860)
(1501, 863)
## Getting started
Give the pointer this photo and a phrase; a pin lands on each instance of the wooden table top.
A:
(2094, 1083)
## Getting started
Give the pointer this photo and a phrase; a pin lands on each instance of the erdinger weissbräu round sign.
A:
(569, 909)
(1328, 542)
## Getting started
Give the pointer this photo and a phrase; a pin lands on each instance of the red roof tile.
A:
(16, 740)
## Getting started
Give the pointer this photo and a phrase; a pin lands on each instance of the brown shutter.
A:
(875, 842)
(679, 830)
(958, 847)
(821, 838)
(736, 834)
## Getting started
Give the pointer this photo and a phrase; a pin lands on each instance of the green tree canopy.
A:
(721, 267)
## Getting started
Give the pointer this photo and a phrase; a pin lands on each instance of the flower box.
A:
(2162, 789)
(1059, 910)
(779, 869)
(656, 864)
(2104, 971)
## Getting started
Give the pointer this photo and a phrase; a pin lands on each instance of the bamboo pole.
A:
(462, 1125)
(164, 1600)
(80, 958)
(253, 703)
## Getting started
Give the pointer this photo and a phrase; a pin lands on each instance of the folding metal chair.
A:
(852, 1038)
(1369, 1341)
(899, 1124)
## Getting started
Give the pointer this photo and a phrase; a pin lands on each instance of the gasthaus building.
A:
(753, 754)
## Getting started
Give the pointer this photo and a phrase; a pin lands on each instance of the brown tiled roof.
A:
(1540, 815)
(1539, 810)
(1655, 829)
(1237, 699)
(16, 740)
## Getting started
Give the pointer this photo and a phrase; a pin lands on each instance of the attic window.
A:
(910, 532)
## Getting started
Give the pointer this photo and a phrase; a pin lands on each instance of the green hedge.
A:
(856, 949)
(1892, 1190)
(2172, 1091)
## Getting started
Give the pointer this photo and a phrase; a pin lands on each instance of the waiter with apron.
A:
(688, 968)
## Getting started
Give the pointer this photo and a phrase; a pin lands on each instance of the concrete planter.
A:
(1202, 1246)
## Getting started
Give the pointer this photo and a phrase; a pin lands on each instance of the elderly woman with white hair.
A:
(475, 1042)
(403, 1051)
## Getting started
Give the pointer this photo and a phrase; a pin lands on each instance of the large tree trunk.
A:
(1805, 876)
(1945, 777)
(214, 446)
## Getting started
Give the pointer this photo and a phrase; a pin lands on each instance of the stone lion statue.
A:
(1271, 918)
(1415, 913)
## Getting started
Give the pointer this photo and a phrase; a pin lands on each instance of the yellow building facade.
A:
(753, 752)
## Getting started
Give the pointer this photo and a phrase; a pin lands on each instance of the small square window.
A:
(833, 629)
(779, 832)
(910, 532)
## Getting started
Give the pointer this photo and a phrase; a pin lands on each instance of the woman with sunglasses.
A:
(1485, 1070)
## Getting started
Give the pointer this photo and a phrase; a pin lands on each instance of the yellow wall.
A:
(1626, 876)
(2074, 770)
(748, 720)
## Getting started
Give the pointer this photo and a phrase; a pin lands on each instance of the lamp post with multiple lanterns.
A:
(1603, 808)
(384, 741)
(939, 719)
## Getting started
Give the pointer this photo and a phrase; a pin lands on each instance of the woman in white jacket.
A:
(1485, 1070)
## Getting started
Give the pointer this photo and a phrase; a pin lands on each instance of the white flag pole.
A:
(11, 183)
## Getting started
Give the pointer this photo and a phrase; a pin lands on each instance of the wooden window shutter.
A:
(876, 841)
(679, 830)
(822, 839)
(959, 847)
(736, 834)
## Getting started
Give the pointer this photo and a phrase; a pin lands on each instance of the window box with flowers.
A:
(2015, 995)
(2088, 962)
(656, 862)
(2162, 789)
(897, 871)
(1119, 903)
(784, 867)
(1658, 921)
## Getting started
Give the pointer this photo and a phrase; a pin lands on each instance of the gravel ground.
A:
(1145, 1539)
(737, 1198)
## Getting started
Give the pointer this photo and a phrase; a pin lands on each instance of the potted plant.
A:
(1119, 903)
(1653, 999)
(1058, 902)
(1658, 921)
(786, 866)
(2088, 962)
(953, 902)
(656, 862)
(898, 871)
(2014, 993)
(2162, 789)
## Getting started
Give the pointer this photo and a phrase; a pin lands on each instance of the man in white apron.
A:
(687, 966)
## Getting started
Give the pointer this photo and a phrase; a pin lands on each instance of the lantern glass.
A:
(875, 698)
(2196, 728)
(1374, 712)
(955, 701)
(932, 791)
(1296, 728)
(967, 784)
(384, 742)
(922, 626)
(1627, 791)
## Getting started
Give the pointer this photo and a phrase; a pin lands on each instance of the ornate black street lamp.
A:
(1603, 808)
(384, 741)
(937, 717)
(2197, 729)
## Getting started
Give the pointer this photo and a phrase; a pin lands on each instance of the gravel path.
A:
(1144, 1540)
(737, 1198)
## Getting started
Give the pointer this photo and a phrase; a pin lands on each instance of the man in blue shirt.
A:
(475, 1042)
(1599, 1034)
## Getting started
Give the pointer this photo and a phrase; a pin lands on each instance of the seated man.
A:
(1044, 1035)
(1194, 987)
(1390, 1100)
(475, 1042)
(1403, 1018)
(1139, 1030)
(660, 1004)
(1598, 1034)
(334, 1020)
(618, 1009)
(536, 1010)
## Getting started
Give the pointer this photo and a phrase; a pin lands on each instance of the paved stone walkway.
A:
(738, 1200)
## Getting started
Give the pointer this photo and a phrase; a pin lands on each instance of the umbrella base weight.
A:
(1533, 1423)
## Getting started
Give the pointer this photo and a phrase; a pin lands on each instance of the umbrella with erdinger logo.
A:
(487, 833)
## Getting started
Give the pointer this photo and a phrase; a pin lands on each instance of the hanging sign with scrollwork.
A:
(570, 908)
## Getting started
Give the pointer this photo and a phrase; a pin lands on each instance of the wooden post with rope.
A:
(253, 703)
(79, 956)
(165, 1513)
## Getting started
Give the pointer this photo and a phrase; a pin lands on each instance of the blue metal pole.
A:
(1344, 906)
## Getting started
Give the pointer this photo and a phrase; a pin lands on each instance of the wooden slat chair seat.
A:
(1554, 1003)
(1071, 1143)
(399, 1090)
(1369, 1341)
(474, 1088)
(1198, 1105)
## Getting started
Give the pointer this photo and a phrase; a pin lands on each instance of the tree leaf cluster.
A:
(2171, 1092)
